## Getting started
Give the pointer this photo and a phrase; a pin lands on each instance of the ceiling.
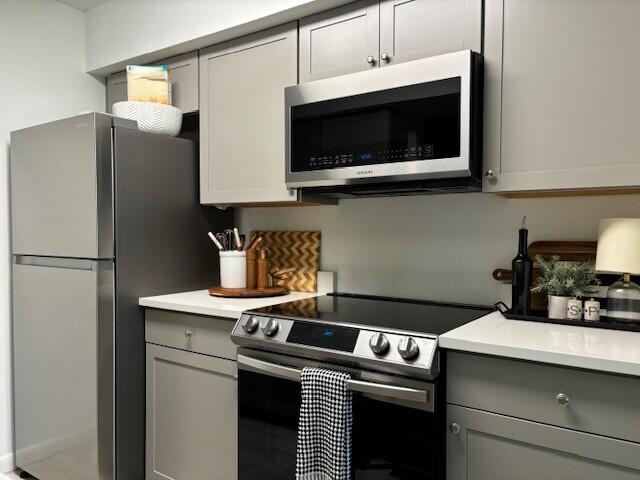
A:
(83, 4)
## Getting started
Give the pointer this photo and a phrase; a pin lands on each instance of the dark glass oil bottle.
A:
(522, 268)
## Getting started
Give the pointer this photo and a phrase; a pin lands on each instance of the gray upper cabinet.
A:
(486, 446)
(368, 34)
(340, 41)
(242, 125)
(191, 416)
(412, 29)
(116, 89)
(561, 95)
(183, 74)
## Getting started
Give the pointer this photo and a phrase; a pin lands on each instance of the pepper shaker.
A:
(592, 310)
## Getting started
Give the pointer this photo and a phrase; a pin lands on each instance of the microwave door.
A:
(407, 122)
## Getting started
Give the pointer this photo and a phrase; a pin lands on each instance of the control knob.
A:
(270, 328)
(408, 348)
(379, 344)
(251, 325)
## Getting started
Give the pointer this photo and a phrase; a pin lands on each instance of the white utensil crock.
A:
(233, 269)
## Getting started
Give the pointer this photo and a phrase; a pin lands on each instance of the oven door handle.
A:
(378, 389)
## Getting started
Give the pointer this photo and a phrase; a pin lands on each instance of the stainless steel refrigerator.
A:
(102, 214)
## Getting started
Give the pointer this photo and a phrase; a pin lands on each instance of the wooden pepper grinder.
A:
(252, 278)
(263, 269)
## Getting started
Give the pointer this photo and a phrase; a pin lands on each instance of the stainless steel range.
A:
(390, 348)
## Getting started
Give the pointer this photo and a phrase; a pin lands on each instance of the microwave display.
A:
(404, 124)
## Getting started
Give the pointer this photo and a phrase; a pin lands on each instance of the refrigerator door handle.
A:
(58, 262)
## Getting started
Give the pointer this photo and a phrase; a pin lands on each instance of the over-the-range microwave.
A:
(410, 128)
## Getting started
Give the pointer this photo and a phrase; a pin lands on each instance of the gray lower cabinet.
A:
(191, 416)
(487, 446)
(242, 124)
(561, 95)
(183, 75)
(191, 385)
(375, 33)
(514, 420)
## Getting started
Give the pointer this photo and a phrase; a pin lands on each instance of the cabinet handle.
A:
(489, 174)
(385, 57)
(371, 60)
(454, 428)
(563, 399)
(188, 333)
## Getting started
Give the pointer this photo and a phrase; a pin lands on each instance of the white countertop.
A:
(201, 303)
(598, 349)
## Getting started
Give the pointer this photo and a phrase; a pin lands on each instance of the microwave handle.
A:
(378, 389)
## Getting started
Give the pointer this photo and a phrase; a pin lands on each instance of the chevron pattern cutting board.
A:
(299, 250)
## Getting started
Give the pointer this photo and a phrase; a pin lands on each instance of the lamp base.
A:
(623, 301)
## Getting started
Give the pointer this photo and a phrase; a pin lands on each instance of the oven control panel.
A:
(398, 348)
(374, 345)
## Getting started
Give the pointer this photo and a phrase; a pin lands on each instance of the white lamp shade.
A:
(619, 246)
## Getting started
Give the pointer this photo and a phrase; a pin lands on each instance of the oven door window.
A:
(416, 122)
(389, 441)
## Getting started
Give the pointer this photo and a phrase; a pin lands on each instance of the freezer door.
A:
(63, 349)
(61, 183)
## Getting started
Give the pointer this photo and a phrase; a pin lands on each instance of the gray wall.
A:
(436, 247)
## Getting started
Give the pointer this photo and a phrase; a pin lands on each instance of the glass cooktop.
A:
(417, 316)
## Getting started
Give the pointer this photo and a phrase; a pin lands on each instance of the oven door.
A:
(414, 121)
(396, 433)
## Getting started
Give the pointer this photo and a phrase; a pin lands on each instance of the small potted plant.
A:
(563, 280)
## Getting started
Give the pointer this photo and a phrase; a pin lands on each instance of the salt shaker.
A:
(574, 309)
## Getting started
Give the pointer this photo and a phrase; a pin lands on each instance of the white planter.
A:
(558, 307)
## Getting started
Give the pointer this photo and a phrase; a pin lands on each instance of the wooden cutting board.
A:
(247, 292)
(298, 250)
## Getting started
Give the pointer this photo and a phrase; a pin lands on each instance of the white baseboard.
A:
(6, 465)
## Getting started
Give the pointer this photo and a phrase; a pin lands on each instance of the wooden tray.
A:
(247, 293)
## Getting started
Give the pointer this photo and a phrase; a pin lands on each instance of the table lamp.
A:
(619, 252)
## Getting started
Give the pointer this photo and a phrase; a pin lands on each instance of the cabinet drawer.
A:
(194, 333)
(598, 403)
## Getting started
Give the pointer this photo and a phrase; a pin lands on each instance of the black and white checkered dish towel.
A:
(324, 431)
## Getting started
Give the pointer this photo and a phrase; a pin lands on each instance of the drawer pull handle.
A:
(563, 399)
(454, 428)
(188, 333)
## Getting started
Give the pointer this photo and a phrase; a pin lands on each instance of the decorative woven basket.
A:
(151, 117)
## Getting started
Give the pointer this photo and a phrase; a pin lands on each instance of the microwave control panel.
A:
(391, 155)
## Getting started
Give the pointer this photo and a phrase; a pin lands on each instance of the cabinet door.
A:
(116, 89)
(561, 95)
(339, 41)
(191, 416)
(183, 75)
(486, 446)
(242, 154)
(412, 29)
